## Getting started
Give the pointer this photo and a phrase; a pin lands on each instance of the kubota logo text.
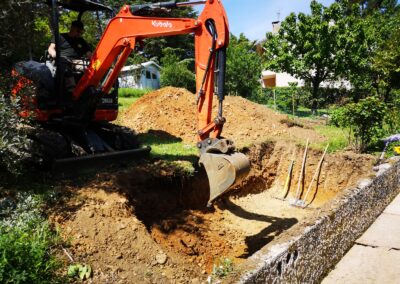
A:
(160, 24)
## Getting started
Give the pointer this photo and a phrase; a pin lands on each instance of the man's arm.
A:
(52, 50)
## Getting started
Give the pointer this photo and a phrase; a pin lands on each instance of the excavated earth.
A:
(149, 224)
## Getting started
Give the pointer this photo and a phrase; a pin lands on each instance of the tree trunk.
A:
(314, 98)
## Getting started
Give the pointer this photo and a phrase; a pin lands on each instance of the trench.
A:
(250, 217)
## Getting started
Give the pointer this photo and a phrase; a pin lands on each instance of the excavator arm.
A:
(224, 167)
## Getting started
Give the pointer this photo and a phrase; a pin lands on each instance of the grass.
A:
(336, 137)
(302, 112)
(170, 149)
(127, 96)
(125, 103)
(132, 93)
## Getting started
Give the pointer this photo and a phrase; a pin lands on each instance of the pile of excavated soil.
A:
(149, 224)
(174, 111)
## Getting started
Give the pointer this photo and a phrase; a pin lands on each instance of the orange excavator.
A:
(75, 127)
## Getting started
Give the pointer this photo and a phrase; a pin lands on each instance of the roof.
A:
(266, 74)
(82, 5)
(137, 66)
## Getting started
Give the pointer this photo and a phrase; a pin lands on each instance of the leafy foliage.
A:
(243, 67)
(78, 270)
(309, 47)
(20, 34)
(222, 268)
(364, 119)
(25, 241)
(175, 72)
(153, 47)
(282, 98)
(13, 137)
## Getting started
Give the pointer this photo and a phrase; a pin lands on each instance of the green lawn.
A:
(302, 112)
(125, 103)
(336, 137)
(170, 149)
(127, 96)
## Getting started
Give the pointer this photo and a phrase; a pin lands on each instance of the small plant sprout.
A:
(222, 267)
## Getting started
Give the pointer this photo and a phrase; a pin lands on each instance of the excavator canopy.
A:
(81, 5)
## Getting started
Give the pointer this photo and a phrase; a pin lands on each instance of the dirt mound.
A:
(173, 110)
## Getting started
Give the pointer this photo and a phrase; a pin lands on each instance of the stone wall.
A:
(308, 257)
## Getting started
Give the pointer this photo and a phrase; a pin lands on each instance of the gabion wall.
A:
(310, 256)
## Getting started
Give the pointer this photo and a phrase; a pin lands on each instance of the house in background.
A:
(140, 76)
(270, 79)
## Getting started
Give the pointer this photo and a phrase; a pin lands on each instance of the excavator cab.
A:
(60, 67)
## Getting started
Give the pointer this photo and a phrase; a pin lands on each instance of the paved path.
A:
(375, 257)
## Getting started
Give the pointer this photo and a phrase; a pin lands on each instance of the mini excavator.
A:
(75, 127)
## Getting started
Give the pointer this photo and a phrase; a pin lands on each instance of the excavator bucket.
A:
(224, 171)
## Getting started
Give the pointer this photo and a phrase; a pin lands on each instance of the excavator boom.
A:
(76, 125)
(224, 167)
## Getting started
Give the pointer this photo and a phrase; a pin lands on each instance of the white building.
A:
(141, 76)
(270, 79)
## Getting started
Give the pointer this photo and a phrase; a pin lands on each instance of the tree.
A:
(372, 49)
(368, 6)
(243, 68)
(175, 72)
(20, 35)
(309, 47)
(154, 46)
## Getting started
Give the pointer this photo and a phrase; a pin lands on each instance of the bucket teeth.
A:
(224, 171)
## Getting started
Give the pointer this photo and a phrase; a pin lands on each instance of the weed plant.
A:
(26, 241)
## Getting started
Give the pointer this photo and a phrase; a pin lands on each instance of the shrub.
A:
(286, 98)
(25, 242)
(364, 119)
(176, 73)
(13, 137)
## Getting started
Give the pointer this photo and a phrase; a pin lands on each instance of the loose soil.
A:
(173, 110)
(148, 224)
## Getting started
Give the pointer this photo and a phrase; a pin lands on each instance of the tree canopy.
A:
(243, 67)
(309, 47)
(25, 32)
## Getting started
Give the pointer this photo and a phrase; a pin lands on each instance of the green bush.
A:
(176, 73)
(25, 242)
(392, 119)
(13, 137)
(286, 97)
(300, 96)
(364, 119)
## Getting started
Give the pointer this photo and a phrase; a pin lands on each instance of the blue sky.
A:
(254, 17)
